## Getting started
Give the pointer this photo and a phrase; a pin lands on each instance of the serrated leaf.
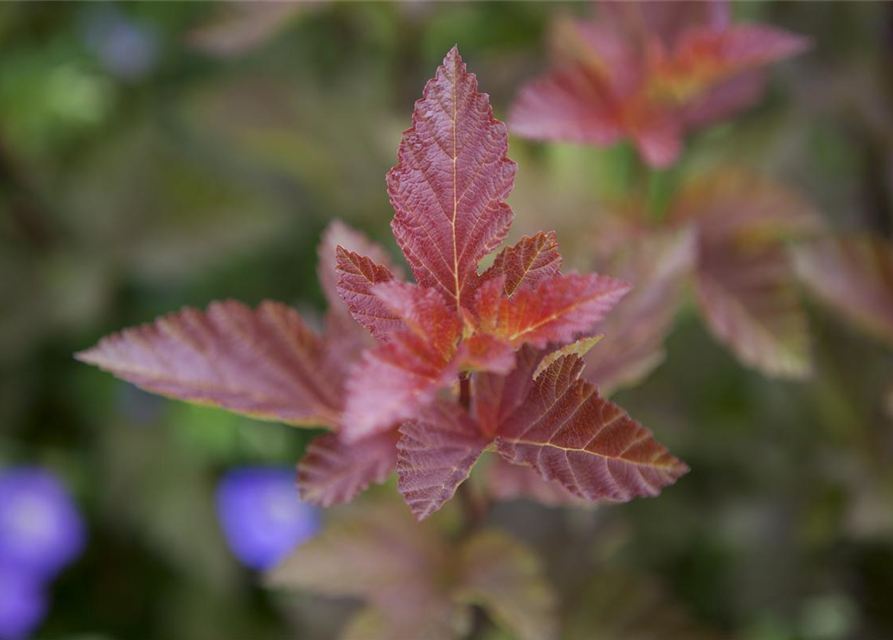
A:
(531, 261)
(567, 432)
(449, 186)
(424, 311)
(355, 277)
(436, 452)
(393, 381)
(555, 311)
(854, 275)
(505, 577)
(264, 363)
(338, 234)
(579, 348)
(333, 471)
(658, 265)
(344, 338)
(495, 396)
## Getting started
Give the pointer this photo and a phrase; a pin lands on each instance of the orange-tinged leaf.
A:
(506, 578)
(567, 432)
(424, 311)
(486, 353)
(356, 275)
(264, 363)
(854, 275)
(333, 471)
(436, 452)
(556, 311)
(531, 261)
(647, 71)
(449, 187)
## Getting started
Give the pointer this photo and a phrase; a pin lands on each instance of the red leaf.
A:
(567, 432)
(356, 275)
(344, 339)
(449, 186)
(264, 363)
(424, 312)
(556, 311)
(528, 263)
(333, 472)
(436, 452)
(392, 382)
(855, 276)
(495, 397)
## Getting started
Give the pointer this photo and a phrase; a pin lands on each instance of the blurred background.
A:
(154, 155)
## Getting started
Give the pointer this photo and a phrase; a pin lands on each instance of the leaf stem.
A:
(465, 391)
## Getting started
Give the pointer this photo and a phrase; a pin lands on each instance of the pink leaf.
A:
(334, 472)
(567, 432)
(449, 186)
(392, 382)
(265, 363)
(436, 453)
(356, 275)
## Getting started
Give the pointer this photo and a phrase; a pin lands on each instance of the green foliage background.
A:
(207, 176)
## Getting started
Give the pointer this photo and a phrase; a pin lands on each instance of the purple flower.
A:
(41, 531)
(261, 515)
(23, 603)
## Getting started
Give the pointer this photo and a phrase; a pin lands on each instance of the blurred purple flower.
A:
(41, 531)
(261, 515)
(125, 48)
(23, 603)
